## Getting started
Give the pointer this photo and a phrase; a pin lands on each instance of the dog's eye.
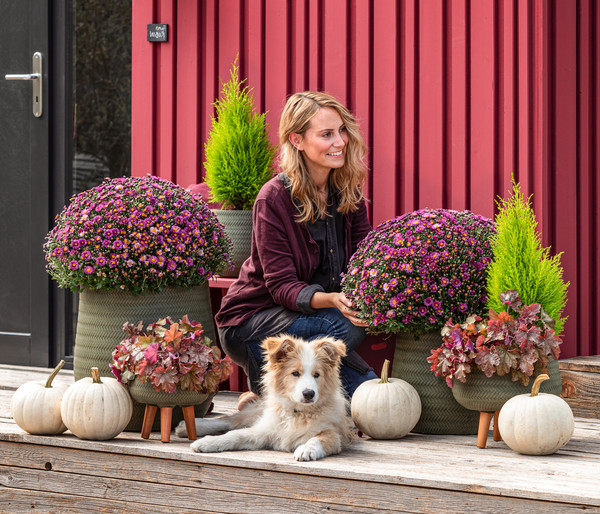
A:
(296, 373)
(317, 375)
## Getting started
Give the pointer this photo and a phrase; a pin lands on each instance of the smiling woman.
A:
(308, 221)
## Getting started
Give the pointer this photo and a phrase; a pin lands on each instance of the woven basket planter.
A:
(441, 413)
(238, 226)
(146, 395)
(484, 394)
(100, 327)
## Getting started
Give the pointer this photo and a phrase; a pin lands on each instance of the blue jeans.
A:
(330, 322)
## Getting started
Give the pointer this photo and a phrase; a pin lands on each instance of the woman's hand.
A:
(322, 300)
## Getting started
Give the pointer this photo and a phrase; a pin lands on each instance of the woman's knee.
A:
(342, 328)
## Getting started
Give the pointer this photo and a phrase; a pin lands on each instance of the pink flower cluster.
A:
(135, 234)
(415, 271)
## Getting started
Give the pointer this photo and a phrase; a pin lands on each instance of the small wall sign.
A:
(158, 32)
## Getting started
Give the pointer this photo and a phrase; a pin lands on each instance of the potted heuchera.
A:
(168, 358)
(518, 342)
(493, 359)
(410, 275)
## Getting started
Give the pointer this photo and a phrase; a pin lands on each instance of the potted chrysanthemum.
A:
(409, 276)
(136, 248)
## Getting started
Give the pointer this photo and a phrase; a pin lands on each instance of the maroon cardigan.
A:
(283, 258)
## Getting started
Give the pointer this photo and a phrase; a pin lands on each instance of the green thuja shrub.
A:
(238, 152)
(521, 264)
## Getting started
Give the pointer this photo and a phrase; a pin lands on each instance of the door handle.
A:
(30, 76)
(36, 81)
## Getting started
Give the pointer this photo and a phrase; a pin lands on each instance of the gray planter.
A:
(485, 394)
(440, 413)
(238, 226)
(103, 313)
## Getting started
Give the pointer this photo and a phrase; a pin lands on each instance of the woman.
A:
(308, 221)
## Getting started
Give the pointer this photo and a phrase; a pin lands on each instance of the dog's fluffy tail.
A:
(207, 426)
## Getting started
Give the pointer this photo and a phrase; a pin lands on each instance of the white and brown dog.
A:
(302, 408)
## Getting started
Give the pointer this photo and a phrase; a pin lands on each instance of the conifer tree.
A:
(238, 151)
(521, 264)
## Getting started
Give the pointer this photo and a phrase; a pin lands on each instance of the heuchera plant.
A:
(414, 272)
(518, 341)
(137, 234)
(170, 355)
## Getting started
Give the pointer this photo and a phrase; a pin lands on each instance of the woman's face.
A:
(324, 142)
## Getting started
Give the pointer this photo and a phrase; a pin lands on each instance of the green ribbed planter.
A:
(100, 327)
(145, 394)
(238, 226)
(483, 394)
(440, 413)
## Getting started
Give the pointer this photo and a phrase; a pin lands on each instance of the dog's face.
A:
(303, 371)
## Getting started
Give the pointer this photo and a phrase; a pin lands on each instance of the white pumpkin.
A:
(94, 408)
(385, 409)
(536, 424)
(35, 406)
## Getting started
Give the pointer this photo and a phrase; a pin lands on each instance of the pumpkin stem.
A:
(96, 376)
(54, 373)
(535, 388)
(384, 372)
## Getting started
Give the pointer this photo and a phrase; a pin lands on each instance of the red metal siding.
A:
(454, 97)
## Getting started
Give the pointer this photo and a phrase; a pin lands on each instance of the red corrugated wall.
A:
(453, 96)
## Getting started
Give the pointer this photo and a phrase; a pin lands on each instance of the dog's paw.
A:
(181, 430)
(311, 450)
(208, 444)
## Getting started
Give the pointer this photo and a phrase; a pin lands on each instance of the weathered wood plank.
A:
(414, 460)
(176, 485)
(17, 501)
(590, 363)
(171, 496)
(11, 377)
(581, 390)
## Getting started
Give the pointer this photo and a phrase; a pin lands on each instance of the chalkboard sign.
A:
(158, 32)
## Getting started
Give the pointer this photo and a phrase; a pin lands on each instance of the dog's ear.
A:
(333, 348)
(278, 347)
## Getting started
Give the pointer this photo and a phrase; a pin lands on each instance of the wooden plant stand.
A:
(166, 415)
(485, 419)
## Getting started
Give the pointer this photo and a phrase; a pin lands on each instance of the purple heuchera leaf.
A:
(151, 353)
(512, 299)
(165, 379)
(529, 313)
(517, 341)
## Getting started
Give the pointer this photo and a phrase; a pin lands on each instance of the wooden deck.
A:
(419, 473)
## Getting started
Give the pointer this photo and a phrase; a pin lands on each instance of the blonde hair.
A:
(348, 180)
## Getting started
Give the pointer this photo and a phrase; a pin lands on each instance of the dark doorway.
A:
(82, 136)
(25, 184)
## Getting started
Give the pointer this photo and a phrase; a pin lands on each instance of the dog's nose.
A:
(308, 394)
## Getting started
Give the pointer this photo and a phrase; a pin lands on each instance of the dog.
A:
(302, 408)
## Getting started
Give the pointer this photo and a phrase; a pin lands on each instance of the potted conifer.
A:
(521, 264)
(239, 160)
